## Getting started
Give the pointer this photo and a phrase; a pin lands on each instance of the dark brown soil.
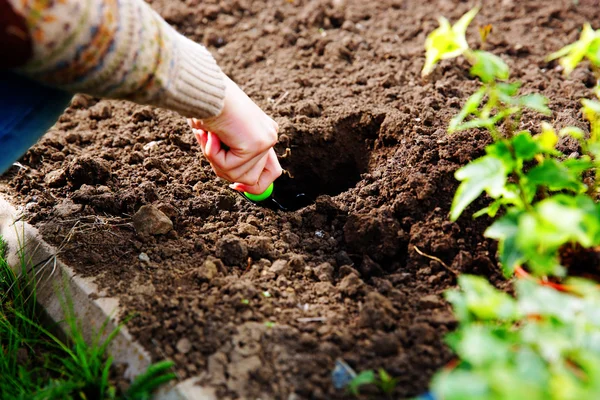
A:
(226, 294)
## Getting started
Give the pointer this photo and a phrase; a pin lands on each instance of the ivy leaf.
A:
(571, 55)
(470, 107)
(477, 299)
(506, 231)
(447, 41)
(556, 176)
(489, 67)
(536, 102)
(480, 347)
(486, 173)
(525, 147)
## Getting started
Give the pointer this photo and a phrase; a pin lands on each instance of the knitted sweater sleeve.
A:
(120, 49)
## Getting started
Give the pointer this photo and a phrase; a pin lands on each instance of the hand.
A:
(239, 142)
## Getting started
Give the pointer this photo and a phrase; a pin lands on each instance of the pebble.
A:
(183, 345)
(324, 272)
(149, 220)
(56, 178)
(279, 267)
(143, 257)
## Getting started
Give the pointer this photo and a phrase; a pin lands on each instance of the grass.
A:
(36, 364)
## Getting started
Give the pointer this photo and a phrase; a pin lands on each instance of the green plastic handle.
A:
(260, 197)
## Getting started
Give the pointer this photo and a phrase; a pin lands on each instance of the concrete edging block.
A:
(53, 277)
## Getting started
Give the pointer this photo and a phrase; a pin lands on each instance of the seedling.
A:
(538, 346)
(536, 186)
(382, 380)
(588, 46)
(542, 344)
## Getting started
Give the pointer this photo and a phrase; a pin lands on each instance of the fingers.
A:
(271, 171)
(247, 173)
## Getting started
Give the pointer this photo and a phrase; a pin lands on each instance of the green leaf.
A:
(447, 41)
(364, 378)
(480, 347)
(525, 147)
(556, 176)
(547, 139)
(571, 55)
(479, 300)
(486, 173)
(506, 231)
(535, 299)
(572, 131)
(461, 385)
(489, 67)
(387, 384)
(508, 89)
(469, 108)
(536, 102)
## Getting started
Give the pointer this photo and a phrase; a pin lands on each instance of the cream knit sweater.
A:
(119, 49)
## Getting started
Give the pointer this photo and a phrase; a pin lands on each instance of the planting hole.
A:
(326, 163)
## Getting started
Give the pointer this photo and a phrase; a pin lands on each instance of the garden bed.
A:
(260, 303)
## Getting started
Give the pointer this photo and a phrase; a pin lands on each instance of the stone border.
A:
(53, 276)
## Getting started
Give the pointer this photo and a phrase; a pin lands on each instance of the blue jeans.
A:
(27, 111)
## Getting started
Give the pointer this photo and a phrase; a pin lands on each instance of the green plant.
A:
(36, 364)
(541, 345)
(545, 202)
(382, 380)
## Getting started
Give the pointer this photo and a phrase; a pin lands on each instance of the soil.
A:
(261, 303)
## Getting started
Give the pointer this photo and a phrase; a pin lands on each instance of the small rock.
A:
(183, 345)
(232, 250)
(324, 272)
(207, 271)
(143, 257)
(350, 285)
(66, 208)
(245, 229)
(149, 220)
(279, 267)
(56, 178)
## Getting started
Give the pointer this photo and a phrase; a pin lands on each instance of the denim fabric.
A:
(27, 111)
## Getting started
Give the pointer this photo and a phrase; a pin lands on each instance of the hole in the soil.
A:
(328, 162)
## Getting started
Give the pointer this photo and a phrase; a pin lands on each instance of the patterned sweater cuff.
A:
(197, 88)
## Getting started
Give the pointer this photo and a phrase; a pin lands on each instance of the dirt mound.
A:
(261, 303)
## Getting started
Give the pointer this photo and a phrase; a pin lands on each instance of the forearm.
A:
(120, 49)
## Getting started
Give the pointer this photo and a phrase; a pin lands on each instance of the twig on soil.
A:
(279, 100)
(313, 319)
(436, 259)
